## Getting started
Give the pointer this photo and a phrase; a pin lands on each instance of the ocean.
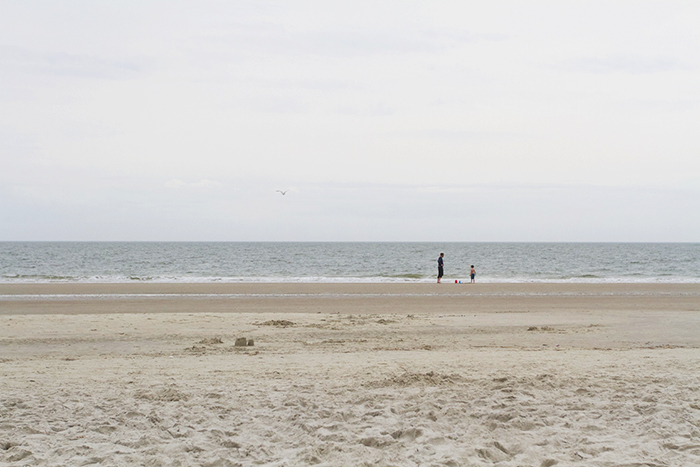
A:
(35, 262)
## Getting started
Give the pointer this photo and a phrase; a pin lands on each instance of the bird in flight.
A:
(283, 192)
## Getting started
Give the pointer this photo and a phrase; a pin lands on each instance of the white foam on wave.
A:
(226, 296)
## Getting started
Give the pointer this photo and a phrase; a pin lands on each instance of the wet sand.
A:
(343, 298)
(350, 374)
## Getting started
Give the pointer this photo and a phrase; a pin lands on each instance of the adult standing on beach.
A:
(473, 273)
(441, 264)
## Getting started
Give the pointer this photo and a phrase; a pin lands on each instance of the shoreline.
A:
(336, 287)
(283, 298)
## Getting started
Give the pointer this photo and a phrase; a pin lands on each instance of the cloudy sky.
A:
(389, 121)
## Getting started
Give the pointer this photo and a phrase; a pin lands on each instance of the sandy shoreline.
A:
(350, 374)
(342, 298)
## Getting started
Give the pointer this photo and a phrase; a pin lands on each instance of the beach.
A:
(350, 374)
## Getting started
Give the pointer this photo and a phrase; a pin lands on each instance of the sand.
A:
(350, 374)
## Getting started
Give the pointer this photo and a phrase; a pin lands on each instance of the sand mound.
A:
(211, 341)
(407, 378)
(280, 323)
(170, 394)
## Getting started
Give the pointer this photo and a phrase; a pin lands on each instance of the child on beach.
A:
(473, 273)
(441, 264)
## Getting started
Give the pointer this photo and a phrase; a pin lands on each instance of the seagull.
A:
(283, 192)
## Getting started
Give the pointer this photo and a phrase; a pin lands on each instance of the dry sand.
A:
(350, 374)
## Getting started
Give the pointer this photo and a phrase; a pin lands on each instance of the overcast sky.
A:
(390, 121)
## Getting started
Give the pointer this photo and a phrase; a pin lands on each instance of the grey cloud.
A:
(375, 110)
(465, 36)
(275, 104)
(466, 135)
(252, 210)
(668, 105)
(623, 64)
(13, 144)
(14, 59)
(321, 84)
(201, 184)
(271, 38)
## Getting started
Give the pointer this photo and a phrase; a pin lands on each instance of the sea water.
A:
(22, 262)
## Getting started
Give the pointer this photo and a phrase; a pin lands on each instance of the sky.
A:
(383, 120)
